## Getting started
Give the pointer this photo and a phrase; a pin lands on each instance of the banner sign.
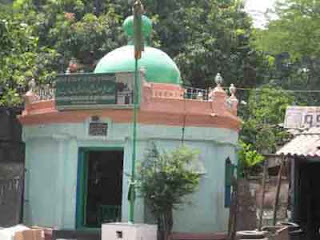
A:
(302, 117)
(87, 91)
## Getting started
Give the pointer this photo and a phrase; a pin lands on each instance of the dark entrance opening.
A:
(102, 188)
(307, 204)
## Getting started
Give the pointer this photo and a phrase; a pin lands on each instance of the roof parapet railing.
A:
(196, 93)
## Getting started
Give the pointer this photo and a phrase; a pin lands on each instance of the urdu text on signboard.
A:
(81, 91)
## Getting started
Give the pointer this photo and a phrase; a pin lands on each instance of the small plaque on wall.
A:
(98, 129)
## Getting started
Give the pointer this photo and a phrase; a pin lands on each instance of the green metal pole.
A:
(134, 142)
(138, 48)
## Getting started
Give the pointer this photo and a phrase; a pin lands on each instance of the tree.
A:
(292, 40)
(205, 38)
(249, 158)
(213, 35)
(74, 29)
(39, 38)
(20, 57)
(295, 31)
(262, 116)
(164, 181)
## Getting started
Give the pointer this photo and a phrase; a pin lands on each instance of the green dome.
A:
(158, 66)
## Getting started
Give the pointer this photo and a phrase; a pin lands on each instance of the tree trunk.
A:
(165, 224)
(97, 7)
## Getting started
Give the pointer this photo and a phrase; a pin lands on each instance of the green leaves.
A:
(166, 178)
(290, 51)
(296, 30)
(202, 37)
(261, 132)
(21, 57)
(249, 158)
(39, 38)
(265, 110)
(16, 57)
(292, 39)
(215, 40)
(248, 155)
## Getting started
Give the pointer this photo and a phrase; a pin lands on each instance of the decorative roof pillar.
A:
(232, 100)
(29, 96)
(218, 96)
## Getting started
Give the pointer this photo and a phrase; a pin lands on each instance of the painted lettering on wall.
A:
(302, 117)
(87, 91)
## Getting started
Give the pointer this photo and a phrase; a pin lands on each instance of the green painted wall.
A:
(52, 159)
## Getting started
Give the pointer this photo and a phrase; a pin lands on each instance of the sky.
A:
(257, 8)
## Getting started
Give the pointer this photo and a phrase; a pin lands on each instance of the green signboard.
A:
(82, 91)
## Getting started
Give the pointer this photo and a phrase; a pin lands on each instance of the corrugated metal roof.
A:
(305, 144)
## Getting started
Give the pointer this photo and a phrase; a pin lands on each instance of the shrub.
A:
(164, 180)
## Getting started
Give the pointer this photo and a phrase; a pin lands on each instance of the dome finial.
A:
(138, 6)
(146, 27)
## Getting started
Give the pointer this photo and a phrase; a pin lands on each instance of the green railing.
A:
(196, 93)
(109, 213)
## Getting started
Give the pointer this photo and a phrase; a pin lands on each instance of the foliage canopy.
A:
(165, 180)
(292, 41)
(261, 131)
(203, 37)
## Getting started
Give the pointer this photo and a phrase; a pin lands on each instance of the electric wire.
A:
(283, 90)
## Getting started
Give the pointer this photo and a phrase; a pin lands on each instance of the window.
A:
(229, 171)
